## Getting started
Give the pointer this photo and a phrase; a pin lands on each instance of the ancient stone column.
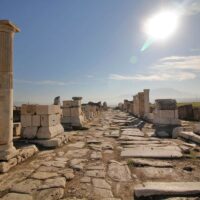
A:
(146, 101)
(7, 30)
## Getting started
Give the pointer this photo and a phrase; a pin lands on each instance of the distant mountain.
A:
(165, 93)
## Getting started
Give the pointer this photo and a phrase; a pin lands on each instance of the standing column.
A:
(146, 101)
(7, 30)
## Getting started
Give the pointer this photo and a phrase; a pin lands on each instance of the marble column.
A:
(7, 30)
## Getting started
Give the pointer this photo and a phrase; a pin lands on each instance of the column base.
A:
(7, 152)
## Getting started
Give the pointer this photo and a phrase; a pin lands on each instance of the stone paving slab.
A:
(136, 138)
(148, 189)
(151, 152)
(151, 173)
(151, 163)
(190, 136)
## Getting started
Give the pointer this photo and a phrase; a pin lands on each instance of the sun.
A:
(162, 25)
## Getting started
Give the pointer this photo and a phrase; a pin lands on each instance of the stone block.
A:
(76, 111)
(17, 129)
(36, 121)
(77, 121)
(48, 109)
(165, 104)
(167, 113)
(27, 109)
(66, 112)
(166, 121)
(76, 103)
(66, 120)
(50, 120)
(26, 120)
(29, 132)
(67, 103)
(49, 132)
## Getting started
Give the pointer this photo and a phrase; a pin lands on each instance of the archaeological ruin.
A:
(76, 150)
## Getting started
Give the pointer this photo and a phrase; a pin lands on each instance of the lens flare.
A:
(162, 25)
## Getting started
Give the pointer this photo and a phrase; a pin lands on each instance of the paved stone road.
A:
(117, 158)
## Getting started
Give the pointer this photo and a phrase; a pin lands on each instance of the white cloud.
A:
(179, 62)
(179, 76)
(177, 68)
(45, 82)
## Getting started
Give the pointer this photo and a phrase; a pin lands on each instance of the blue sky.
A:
(86, 48)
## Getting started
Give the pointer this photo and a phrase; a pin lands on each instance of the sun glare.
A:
(162, 25)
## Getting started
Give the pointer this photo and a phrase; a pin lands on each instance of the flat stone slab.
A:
(190, 136)
(136, 138)
(151, 152)
(96, 173)
(103, 193)
(50, 194)
(100, 183)
(137, 162)
(119, 171)
(27, 186)
(17, 196)
(112, 134)
(149, 189)
(133, 132)
(155, 173)
(77, 153)
(58, 182)
(77, 145)
(93, 141)
(139, 142)
(44, 175)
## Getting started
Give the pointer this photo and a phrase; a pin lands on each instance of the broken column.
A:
(165, 116)
(7, 30)
(41, 123)
(105, 106)
(72, 114)
(136, 105)
(141, 104)
(125, 105)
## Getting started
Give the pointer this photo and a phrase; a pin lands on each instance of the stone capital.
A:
(77, 98)
(7, 26)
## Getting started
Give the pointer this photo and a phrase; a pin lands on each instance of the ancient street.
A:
(118, 157)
